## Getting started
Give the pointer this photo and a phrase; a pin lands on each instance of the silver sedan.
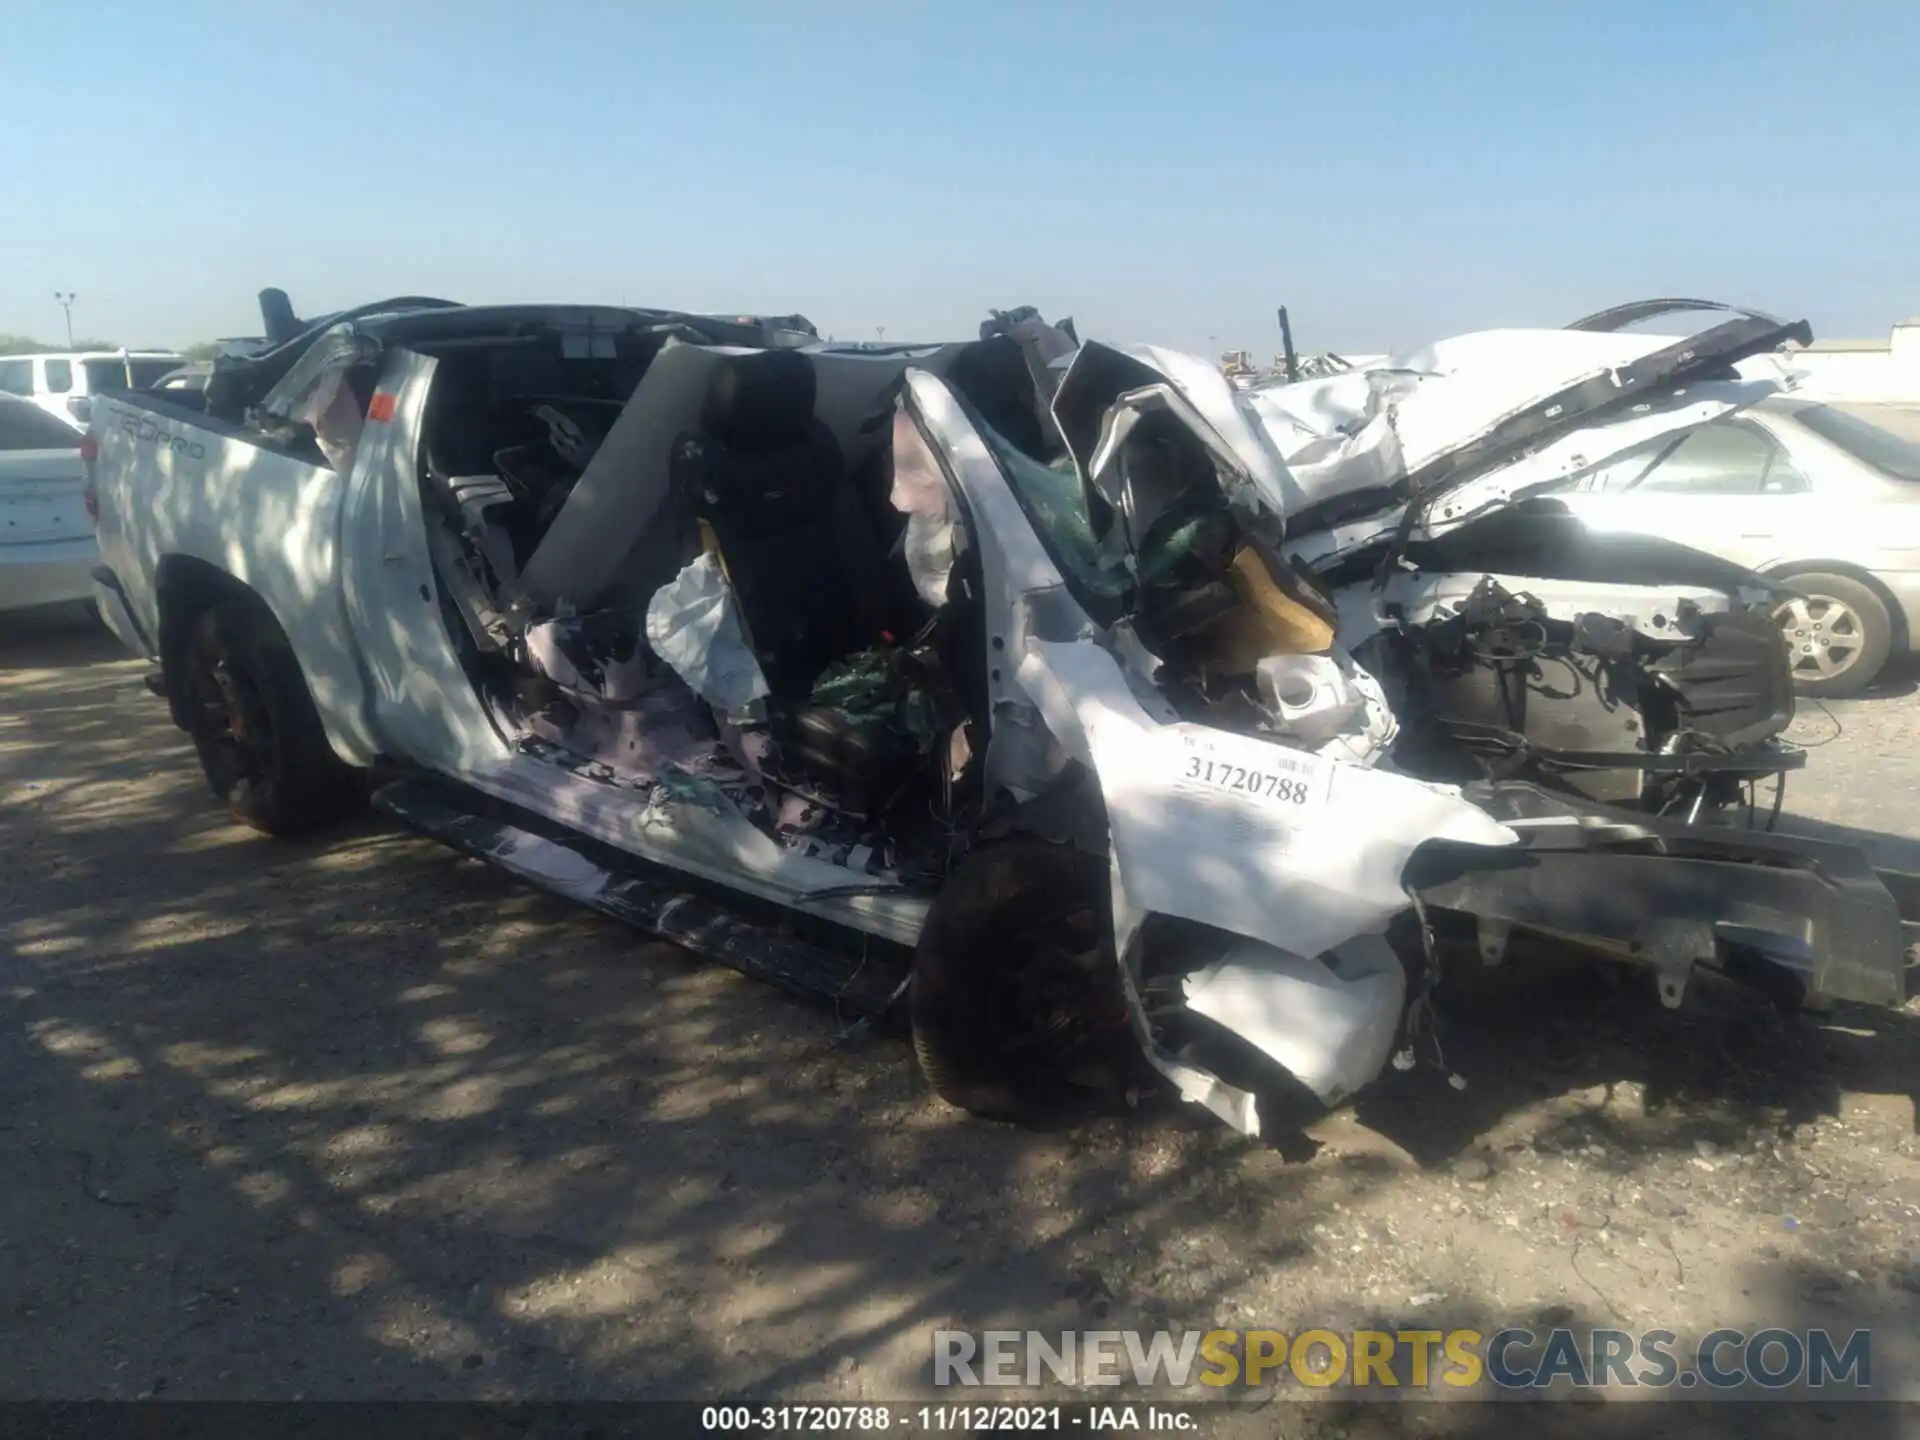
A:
(1813, 495)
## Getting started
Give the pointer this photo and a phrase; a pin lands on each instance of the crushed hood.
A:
(1450, 429)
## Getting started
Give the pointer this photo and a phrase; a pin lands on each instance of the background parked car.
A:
(47, 549)
(1807, 493)
(64, 384)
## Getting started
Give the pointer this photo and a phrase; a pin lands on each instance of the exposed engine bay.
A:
(1518, 645)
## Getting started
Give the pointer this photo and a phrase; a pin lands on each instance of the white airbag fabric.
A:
(694, 625)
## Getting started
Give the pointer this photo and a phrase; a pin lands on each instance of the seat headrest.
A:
(762, 401)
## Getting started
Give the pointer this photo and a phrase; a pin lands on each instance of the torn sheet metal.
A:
(1330, 1022)
(1047, 350)
(1336, 435)
(1243, 834)
(314, 393)
(1108, 393)
(337, 419)
(1417, 598)
(1299, 853)
(1225, 412)
(1553, 467)
(1374, 429)
(1567, 460)
(693, 623)
(1468, 384)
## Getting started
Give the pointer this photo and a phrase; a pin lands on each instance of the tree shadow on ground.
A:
(1727, 1065)
(357, 1118)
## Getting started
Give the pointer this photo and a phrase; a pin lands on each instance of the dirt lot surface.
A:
(360, 1118)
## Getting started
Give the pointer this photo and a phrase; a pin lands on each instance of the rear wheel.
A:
(1838, 634)
(259, 738)
(1015, 992)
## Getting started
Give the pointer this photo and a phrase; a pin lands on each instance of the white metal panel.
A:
(170, 487)
(423, 702)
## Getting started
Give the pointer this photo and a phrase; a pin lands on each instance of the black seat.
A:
(768, 478)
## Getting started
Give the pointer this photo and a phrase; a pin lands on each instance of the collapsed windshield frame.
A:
(1099, 582)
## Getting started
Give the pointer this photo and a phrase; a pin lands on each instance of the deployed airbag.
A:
(920, 493)
(694, 625)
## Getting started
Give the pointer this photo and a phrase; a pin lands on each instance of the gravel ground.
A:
(359, 1118)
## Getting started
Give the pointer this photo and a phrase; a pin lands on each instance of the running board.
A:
(661, 907)
(1905, 889)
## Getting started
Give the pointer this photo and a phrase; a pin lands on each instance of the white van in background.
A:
(65, 383)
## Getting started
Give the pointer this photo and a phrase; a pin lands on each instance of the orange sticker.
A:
(381, 406)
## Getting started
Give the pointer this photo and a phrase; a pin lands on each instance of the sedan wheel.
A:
(1823, 636)
(1837, 633)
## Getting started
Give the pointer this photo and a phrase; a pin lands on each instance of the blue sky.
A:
(1391, 171)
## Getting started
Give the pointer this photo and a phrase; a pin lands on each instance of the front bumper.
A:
(1675, 896)
(51, 572)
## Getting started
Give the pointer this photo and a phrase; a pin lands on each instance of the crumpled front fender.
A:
(1300, 853)
(1243, 834)
(1297, 855)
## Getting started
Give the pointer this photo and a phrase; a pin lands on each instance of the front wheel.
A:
(1015, 992)
(259, 738)
(1838, 634)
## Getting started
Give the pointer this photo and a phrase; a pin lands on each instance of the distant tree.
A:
(205, 350)
(27, 345)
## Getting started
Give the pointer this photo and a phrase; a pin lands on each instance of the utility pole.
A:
(65, 299)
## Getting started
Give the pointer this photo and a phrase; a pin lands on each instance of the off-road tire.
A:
(1009, 906)
(274, 770)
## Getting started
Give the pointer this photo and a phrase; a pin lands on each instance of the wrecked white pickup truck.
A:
(1031, 660)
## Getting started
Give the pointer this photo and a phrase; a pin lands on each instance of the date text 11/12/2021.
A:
(959, 1419)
